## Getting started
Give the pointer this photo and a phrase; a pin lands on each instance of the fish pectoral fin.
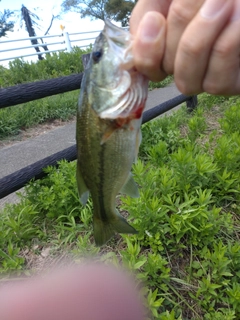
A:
(104, 230)
(107, 134)
(83, 191)
(130, 187)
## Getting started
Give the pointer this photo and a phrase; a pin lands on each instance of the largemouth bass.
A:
(111, 103)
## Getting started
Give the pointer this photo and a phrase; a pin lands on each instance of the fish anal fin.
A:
(130, 187)
(83, 191)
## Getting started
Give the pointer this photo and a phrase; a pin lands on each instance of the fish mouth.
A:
(119, 36)
(132, 89)
(120, 41)
(127, 98)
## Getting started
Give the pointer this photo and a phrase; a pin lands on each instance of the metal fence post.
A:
(67, 41)
(192, 103)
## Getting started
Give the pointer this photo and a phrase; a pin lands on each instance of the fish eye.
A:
(96, 55)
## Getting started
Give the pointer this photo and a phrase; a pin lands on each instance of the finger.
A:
(181, 12)
(223, 74)
(142, 7)
(149, 45)
(196, 44)
(88, 292)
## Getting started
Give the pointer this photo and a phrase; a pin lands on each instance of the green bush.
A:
(62, 106)
(53, 66)
(160, 84)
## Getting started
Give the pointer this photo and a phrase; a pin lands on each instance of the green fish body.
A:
(109, 117)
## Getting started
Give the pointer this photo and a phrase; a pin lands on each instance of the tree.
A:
(95, 9)
(5, 25)
(30, 20)
(121, 10)
(118, 10)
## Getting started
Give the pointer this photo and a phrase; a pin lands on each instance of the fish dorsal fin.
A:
(130, 187)
(85, 60)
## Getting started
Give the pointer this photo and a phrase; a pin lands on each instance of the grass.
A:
(18, 118)
(187, 250)
(160, 84)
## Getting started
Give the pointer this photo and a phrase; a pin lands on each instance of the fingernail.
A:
(212, 8)
(150, 27)
(236, 11)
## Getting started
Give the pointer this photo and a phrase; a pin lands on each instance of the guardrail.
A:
(18, 179)
(64, 42)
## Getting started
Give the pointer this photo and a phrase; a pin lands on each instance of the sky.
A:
(44, 9)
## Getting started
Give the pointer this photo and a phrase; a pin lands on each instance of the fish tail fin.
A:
(104, 230)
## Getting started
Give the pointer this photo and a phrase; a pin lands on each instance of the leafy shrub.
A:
(160, 84)
(17, 118)
(53, 66)
(230, 123)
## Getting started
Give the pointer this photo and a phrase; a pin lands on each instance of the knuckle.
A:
(179, 15)
(222, 49)
(145, 63)
(187, 88)
(149, 69)
(214, 87)
(182, 87)
(168, 63)
(190, 47)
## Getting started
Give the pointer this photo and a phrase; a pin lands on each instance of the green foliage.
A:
(17, 118)
(160, 84)
(44, 213)
(165, 136)
(183, 205)
(187, 250)
(208, 101)
(230, 123)
(53, 66)
(5, 24)
(120, 10)
(197, 124)
(117, 10)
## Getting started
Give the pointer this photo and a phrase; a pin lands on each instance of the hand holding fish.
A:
(200, 47)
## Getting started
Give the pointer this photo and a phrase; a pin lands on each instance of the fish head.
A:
(110, 53)
(117, 90)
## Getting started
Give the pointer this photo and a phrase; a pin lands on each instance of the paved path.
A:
(23, 153)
